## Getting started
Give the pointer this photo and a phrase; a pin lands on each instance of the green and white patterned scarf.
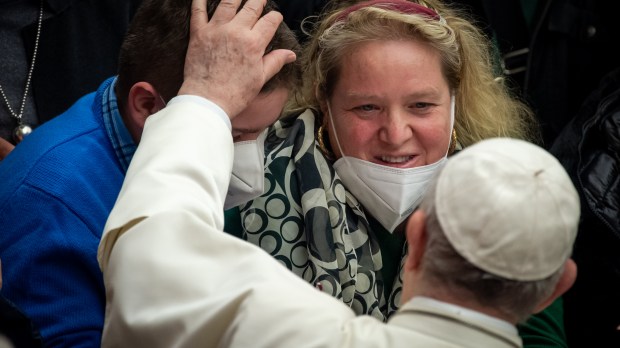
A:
(307, 220)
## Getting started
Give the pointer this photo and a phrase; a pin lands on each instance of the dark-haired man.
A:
(59, 185)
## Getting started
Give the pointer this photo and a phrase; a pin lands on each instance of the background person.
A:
(554, 52)
(54, 52)
(60, 183)
(588, 148)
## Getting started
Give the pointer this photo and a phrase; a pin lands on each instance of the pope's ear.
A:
(566, 281)
(416, 239)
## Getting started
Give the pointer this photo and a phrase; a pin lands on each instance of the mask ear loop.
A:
(342, 155)
(331, 124)
(452, 117)
(260, 140)
(262, 137)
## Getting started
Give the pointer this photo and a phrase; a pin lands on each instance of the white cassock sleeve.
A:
(174, 279)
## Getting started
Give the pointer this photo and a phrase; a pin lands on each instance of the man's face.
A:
(261, 113)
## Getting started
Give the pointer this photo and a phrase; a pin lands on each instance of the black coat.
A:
(570, 44)
(589, 149)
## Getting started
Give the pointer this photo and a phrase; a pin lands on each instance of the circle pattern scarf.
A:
(307, 220)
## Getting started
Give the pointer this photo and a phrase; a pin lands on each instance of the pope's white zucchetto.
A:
(509, 208)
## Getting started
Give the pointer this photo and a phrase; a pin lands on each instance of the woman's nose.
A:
(396, 127)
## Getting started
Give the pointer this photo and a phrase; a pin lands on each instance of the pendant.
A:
(20, 132)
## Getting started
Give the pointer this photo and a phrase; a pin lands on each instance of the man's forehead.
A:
(261, 113)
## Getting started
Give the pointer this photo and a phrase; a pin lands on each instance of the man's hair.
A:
(156, 43)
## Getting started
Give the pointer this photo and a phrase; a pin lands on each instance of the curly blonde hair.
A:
(485, 105)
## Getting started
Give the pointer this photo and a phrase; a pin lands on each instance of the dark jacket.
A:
(569, 44)
(78, 49)
(569, 54)
(589, 149)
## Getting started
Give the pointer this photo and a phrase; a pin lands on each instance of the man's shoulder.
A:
(68, 149)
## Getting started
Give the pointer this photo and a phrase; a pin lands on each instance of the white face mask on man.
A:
(248, 172)
(246, 180)
(389, 194)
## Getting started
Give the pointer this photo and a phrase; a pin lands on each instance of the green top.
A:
(545, 329)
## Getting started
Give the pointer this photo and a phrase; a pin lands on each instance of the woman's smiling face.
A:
(390, 105)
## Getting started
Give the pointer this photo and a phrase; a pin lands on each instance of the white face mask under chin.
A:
(389, 194)
(247, 179)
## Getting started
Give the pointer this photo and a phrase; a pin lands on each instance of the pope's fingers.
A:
(275, 60)
(267, 26)
(250, 12)
(225, 11)
(198, 14)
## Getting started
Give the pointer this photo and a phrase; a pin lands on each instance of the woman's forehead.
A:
(407, 66)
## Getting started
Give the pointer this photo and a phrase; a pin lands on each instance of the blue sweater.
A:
(56, 191)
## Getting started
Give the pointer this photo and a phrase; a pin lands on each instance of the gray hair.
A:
(445, 268)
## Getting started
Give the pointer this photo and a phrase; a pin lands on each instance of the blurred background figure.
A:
(589, 148)
(53, 52)
(554, 52)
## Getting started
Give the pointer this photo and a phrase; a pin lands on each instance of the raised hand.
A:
(225, 59)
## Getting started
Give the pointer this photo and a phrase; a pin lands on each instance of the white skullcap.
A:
(509, 208)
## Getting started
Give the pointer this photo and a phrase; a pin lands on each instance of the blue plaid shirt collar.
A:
(121, 140)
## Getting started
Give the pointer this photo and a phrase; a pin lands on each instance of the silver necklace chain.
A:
(19, 115)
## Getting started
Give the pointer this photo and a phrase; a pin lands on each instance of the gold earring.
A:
(452, 142)
(321, 142)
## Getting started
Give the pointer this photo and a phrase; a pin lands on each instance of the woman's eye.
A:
(367, 107)
(421, 105)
